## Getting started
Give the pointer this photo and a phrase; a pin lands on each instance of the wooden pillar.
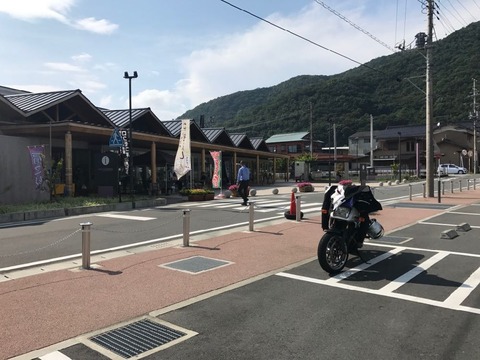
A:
(274, 169)
(153, 162)
(68, 164)
(234, 170)
(203, 161)
(257, 180)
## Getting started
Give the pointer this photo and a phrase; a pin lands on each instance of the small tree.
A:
(394, 168)
(51, 175)
(307, 157)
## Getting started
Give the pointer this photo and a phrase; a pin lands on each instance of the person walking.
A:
(243, 178)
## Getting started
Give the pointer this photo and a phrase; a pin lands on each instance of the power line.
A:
(302, 37)
(353, 24)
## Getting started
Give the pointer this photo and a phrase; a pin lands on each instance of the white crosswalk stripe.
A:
(263, 206)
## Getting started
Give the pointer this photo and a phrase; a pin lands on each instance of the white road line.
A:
(56, 355)
(127, 217)
(443, 224)
(409, 275)
(361, 267)
(462, 292)
(463, 213)
(394, 295)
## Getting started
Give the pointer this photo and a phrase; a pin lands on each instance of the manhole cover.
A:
(196, 264)
(136, 338)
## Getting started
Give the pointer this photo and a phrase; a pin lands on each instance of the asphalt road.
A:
(59, 239)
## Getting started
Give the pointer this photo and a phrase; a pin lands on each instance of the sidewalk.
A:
(45, 309)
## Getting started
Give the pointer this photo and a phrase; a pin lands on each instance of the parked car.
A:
(446, 169)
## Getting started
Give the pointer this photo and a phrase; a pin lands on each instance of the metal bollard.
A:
(298, 215)
(451, 186)
(460, 185)
(86, 244)
(186, 227)
(474, 179)
(439, 191)
(251, 216)
(468, 184)
(443, 187)
(424, 190)
(410, 191)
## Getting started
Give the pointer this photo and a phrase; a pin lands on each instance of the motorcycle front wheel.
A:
(332, 253)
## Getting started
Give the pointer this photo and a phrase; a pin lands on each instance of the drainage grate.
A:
(136, 338)
(421, 205)
(196, 264)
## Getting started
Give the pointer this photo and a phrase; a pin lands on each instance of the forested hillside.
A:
(348, 99)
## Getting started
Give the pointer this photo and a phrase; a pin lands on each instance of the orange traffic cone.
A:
(293, 205)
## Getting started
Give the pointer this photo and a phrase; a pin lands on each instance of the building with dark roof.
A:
(69, 127)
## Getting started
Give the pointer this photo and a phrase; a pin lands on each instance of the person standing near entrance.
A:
(243, 178)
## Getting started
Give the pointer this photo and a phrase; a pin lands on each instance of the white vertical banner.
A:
(183, 161)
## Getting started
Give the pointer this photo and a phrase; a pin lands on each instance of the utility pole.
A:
(371, 140)
(474, 115)
(429, 104)
(311, 130)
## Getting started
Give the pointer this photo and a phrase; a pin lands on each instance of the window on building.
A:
(292, 148)
(410, 146)
(392, 145)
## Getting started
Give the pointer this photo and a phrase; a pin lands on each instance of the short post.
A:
(298, 215)
(186, 227)
(250, 216)
(424, 193)
(474, 180)
(443, 187)
(468, 184)
(460, 184)
(451, 186)
(86, 244)
(410, 191)
(439, 190)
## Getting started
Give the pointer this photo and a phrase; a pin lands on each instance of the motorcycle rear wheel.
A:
(332, 253)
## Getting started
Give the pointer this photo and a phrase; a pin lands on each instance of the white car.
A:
(446, 169)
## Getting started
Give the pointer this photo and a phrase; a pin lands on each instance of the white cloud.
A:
(36, 88)
(265, 55)
(57, 10)
(37, 9)
(84, 57)
(96, 26)
(165, 104)
(63, 67)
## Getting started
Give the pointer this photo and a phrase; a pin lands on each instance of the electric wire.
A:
(468, 11)
(303, 38)
(456, 11)
(336, 13)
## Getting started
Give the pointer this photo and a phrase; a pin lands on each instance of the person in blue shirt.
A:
(243, 177)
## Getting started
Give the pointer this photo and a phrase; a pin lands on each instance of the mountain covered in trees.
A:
(390, 88)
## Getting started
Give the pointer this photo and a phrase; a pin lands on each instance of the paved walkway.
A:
(44, 309)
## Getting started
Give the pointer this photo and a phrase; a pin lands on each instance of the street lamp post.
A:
(130, 137)
(399, 156)
(358, 172)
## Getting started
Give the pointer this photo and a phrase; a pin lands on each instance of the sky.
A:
(187, 52)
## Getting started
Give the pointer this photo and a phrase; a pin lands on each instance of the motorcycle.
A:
(346, 222)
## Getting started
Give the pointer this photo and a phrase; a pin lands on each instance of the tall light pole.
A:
(399, 157)
(130, 137)
(429, 104)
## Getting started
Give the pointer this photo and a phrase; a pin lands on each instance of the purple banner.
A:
(37, 153)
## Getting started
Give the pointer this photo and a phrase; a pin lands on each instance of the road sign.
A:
(116, 139)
